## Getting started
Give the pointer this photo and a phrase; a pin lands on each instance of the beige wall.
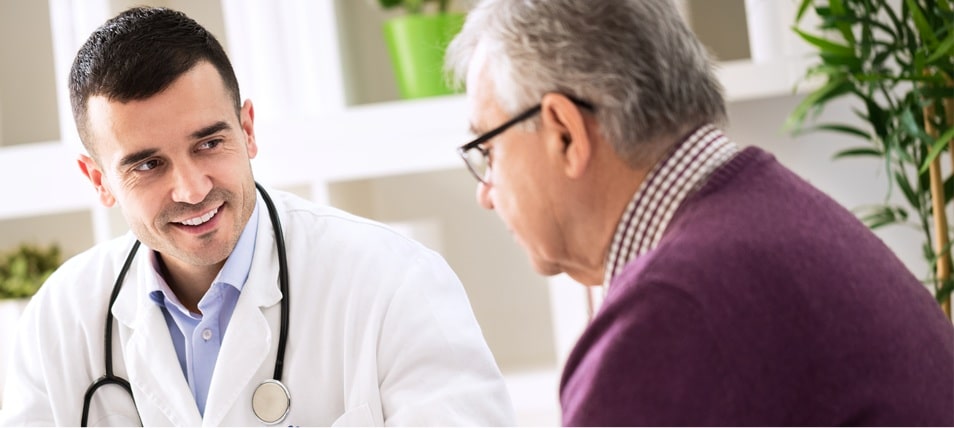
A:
(27, 85)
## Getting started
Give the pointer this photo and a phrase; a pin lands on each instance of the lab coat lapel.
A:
(249, 346)
(159, 387)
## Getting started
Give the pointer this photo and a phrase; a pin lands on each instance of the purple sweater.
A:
(765, 303)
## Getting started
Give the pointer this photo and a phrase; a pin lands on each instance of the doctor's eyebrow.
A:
(209, 130)
(134, 158)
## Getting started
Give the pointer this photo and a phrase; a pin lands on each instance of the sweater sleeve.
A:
(648, 358)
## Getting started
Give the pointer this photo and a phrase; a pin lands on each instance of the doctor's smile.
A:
(200, 224)
(200, 220)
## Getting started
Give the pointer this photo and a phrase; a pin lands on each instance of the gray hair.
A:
(635, 60)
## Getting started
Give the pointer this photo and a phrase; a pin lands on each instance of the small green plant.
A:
(414, 6)
(23, 270)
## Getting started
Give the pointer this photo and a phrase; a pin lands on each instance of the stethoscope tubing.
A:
(110, 378)
(282, 281)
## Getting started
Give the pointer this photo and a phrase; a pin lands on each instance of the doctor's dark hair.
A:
(138, 54)
(635, 60)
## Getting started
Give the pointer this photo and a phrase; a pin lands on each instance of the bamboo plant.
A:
(895, 60)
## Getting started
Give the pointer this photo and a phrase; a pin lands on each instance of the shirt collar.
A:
(233, 273)
(669, 183)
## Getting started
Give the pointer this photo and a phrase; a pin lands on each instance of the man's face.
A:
(520, 181)
(177, 164)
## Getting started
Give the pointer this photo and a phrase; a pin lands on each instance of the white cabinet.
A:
(330, 128)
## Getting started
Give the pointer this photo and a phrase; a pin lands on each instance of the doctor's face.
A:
(177, 164)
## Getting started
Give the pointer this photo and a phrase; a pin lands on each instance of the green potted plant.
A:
(895, 60)
(416, 42)
(22, 271)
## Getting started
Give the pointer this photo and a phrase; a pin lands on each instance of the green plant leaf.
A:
(815, 99)
(936, 148)
(910, 125)
(842, 21)
(865, 20)
(845, 129)
(876, 116)
(881, 215)
(906, 189)
(937, 93)
(826, 46)
(853, 63)
(943, 293)
(899, 25)
(927, 34)
(858, 151)
(388, 4)
(944, 50)
(801, 10)
(944, 5)
(948, 189)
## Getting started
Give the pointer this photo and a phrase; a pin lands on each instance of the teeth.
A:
(201, 219)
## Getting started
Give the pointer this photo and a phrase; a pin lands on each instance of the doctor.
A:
(378, 329)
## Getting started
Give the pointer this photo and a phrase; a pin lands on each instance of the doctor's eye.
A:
(211, 144)
(147, 165)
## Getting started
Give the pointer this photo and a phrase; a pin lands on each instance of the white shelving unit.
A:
(330, 128)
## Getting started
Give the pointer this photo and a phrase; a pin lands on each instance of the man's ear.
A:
(565, 131)
(247, 117)
(95, 175)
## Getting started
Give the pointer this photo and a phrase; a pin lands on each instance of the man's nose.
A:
(483, 196)
(191, 185)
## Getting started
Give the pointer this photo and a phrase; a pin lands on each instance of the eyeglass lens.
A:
(477, 162)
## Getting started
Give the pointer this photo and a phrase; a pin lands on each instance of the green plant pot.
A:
(416, 44)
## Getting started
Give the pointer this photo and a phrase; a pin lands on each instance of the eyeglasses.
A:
(477, 157)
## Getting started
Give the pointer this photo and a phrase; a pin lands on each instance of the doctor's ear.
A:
(95, 175)
(247, 118)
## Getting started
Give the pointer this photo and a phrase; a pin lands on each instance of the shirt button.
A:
(206, 334)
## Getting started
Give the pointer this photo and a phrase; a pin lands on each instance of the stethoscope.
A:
(271, 400)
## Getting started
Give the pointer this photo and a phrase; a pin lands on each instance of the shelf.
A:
(42, 178)
(368, 141)
(746, 80)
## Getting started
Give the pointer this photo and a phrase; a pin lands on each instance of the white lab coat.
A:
(381, 332)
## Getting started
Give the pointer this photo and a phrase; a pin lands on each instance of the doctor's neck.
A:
(189, 283)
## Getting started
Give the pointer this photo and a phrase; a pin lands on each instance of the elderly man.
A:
(738, 294)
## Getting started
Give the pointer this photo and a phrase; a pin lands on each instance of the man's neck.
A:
(599, 215)
(189, 283)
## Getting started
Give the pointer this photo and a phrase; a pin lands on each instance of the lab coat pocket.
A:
(357, 417)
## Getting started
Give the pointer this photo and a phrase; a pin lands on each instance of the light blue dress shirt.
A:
(198, 337)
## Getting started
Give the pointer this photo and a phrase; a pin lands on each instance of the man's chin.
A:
(544, 267)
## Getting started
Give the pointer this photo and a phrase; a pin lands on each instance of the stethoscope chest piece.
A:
(271, 402)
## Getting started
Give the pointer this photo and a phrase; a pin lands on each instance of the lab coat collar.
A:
(151, 358)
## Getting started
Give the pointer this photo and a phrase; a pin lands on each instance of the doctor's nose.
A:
(190, 184)
(483, 196)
